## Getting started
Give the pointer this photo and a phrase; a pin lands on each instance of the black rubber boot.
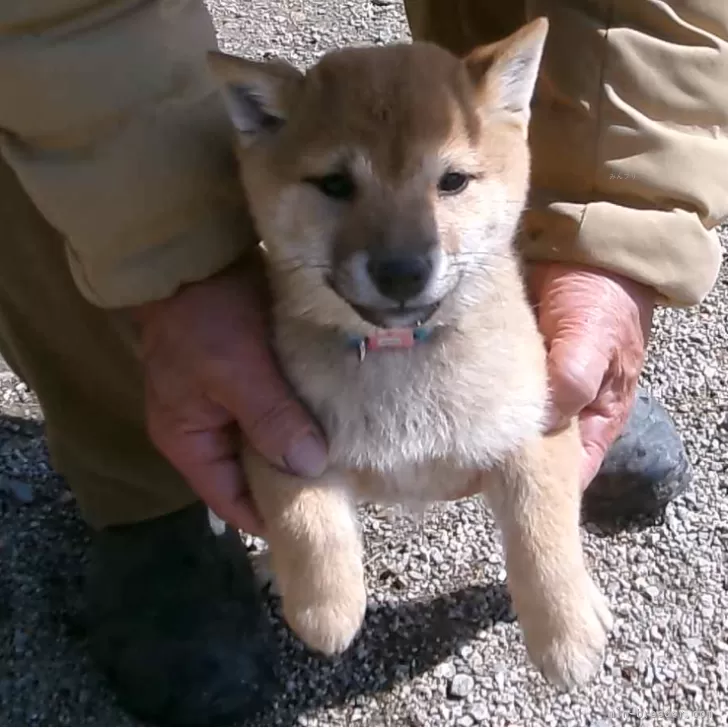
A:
(176, 624)
(646, 468)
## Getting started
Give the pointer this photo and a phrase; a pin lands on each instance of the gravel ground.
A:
(440, 646)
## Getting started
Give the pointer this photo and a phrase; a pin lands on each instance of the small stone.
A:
(445, 669)
(651, 592)
(465, 651)
(22, 492)
(461, 686)
(479, 711)
(466, 720)
(20, 641)
(476, 661)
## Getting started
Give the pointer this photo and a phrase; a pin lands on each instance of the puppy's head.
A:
(386, 183)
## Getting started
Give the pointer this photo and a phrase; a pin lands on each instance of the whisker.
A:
(480, 254)
(294, 266)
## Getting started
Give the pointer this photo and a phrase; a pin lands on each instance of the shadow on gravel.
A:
(26, 479)
(27, 426)
(398, 643)
(43, 657)
(45, 674)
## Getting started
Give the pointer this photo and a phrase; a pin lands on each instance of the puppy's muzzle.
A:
(392, 288)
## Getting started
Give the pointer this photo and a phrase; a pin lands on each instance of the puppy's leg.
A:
(315, 552)
(564, 617)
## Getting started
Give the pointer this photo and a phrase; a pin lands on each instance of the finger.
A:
(599, 428)
(208, 458)
(576, 373)
(594, 450)
(271, 418)
(221, 485)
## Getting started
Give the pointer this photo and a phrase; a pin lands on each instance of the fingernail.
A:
(307, 457)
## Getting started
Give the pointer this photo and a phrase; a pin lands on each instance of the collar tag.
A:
(389, 339)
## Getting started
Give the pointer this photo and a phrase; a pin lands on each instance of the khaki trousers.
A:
(76, 359)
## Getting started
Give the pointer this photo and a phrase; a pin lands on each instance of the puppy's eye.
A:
(451, 183)
(337, 186)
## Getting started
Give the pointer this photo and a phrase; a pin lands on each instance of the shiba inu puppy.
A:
(387, 185)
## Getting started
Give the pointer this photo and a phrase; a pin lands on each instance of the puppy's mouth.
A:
(406, 315)
(396, 317)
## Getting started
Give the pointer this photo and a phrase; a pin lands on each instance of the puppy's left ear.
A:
(258, 96)
(505, 73)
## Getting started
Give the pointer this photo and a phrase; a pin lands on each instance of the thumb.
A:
(576, 369)
(271, 418)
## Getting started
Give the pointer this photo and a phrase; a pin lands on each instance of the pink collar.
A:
(389, 339)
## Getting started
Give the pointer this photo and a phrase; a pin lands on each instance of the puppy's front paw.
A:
(329, 624)
(568, 641)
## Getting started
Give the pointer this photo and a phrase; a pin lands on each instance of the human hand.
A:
(212, 383)
(596, 326)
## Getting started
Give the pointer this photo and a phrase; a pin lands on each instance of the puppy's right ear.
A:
(258, 96)
(505, 72)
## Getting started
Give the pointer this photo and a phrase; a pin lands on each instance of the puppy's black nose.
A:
(400, 277)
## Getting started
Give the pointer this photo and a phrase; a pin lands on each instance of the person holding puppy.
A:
(132, 300)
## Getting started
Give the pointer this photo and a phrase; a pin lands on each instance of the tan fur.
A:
(459, 414)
